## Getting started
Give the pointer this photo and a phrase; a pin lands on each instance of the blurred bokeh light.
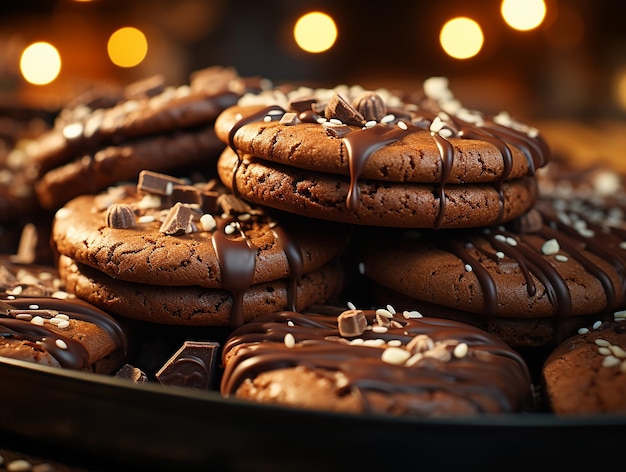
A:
(127, 47)
(461, 38)
(315, 32)
(40, 63)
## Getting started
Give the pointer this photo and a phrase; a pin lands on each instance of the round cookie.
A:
(194, 305)
(158, 127)
(168, 232)
(555, 267)
(586, 374)
(373, 362)
(434, 162)
(41, 323)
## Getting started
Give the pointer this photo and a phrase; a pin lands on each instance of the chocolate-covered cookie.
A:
(363, 157)
(373, 362)
(547, 273)
(156, 126)
(41, 323)
(215, 252)
(586, 374)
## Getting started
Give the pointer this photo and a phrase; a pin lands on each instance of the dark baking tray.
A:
(108, 423)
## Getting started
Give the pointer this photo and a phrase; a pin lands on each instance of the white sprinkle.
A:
(411, 314)
(373, 342)
(395, 355)
(605, 351)
(620, 315)
(290, 324)
(460, 350)
(617, 351)
(358, 341)
(146, 219)
(208, 222)
(550, 247)
(267, 119)
(362, 268)
(468, 268)
(402, 125)
(351, 306)
(60, 344)
(290, 341)
(511, 241)
(500, 255)
(445, 133)
(602, 342)
(394, 343)
(24, 316)
(583, 331)
(387, 118)
(414, 359)
(610, 361)
(62, 316)
(379, 329)
(230, 229)
(391, 309)
(321, 120)
(383, 312)
(500, 237)
(33, 307)
(63, 324)
(597, 324)
(335, 121)
(370, 124)
(561, 258)
(55, 321)
(37, 320)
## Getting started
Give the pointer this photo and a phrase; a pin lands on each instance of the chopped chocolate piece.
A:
(289, 118)
(135, 375)
(208, 201)
(232, 205)
(352, 323)
(530, 222)
(120, 215)
(338, 131)
(178, 220)
(193, 365)
(156, 183)
(370, 105)
(302, 104)
(339, 109)
(186, 194)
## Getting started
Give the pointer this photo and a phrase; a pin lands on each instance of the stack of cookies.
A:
(154, 126)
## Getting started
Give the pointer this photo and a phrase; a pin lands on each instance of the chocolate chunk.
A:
(178, 220)
(289, 118)
(186, 194)
(302, 104)
(120, 215)
(352, 323)
(337, 131)
(193, 365)
(158, 184)
(338, 108)
(370, 105)
(530, 222)
(208, 201)
(135, 375)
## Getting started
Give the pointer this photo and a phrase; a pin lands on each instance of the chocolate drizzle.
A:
(237, 259)
(490, 377)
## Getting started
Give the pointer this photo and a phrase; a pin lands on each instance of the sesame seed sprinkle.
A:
(289, 340)
(60, 344)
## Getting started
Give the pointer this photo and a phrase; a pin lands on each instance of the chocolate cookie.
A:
(41, 323)
(586, 374)
(547, 272)
(369, 158)
(165, 232)
(162, 128)
(374, 362)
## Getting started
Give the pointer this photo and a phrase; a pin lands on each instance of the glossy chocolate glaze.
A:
(489, 369)
(74, 356)
(362, 143)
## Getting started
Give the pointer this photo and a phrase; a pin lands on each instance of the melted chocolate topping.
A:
(488, 370)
